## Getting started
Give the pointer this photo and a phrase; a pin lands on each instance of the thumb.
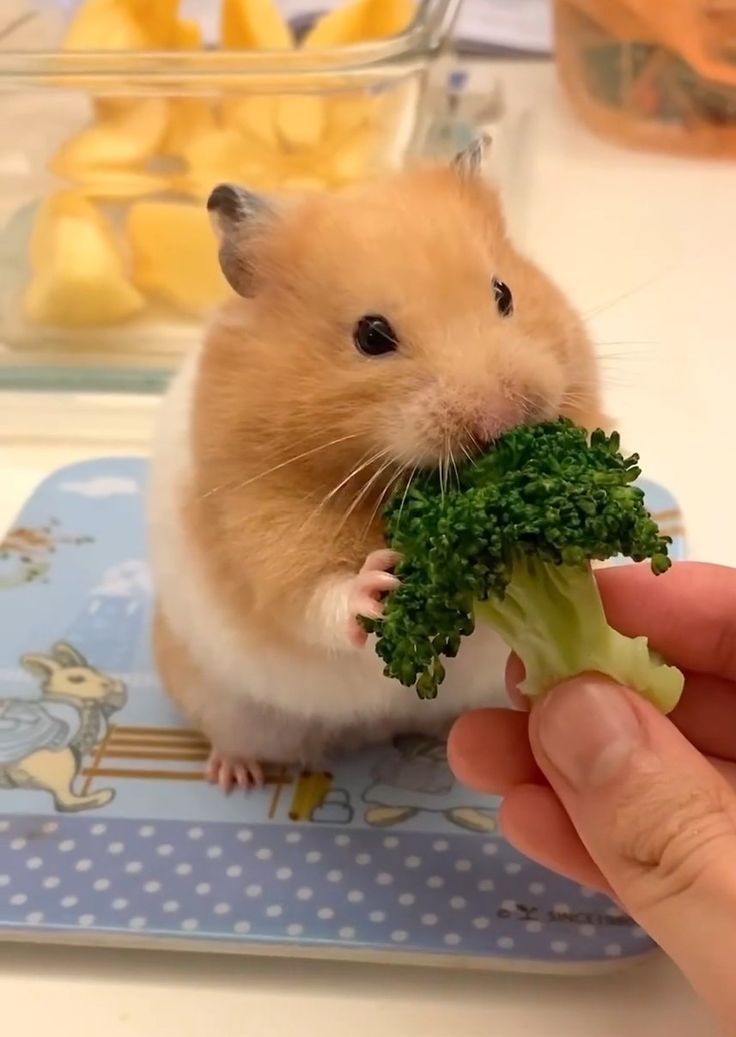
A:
(657, 818)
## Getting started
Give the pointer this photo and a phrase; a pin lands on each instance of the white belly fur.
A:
(334, 691)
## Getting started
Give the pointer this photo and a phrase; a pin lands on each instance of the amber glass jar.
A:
(657, 74)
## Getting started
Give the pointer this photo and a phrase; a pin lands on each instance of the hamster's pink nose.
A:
(497, 418)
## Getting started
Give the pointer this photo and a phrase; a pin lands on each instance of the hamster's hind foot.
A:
(367, 590)
(230, 772)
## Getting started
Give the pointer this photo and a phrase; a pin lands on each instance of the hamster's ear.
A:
(237, 215)
(470, 161)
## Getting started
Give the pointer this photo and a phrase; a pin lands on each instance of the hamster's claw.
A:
(232, 772)
(367, 591)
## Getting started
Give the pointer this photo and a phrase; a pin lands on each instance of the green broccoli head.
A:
(511, 542)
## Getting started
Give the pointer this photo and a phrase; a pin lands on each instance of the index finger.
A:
(688, 613)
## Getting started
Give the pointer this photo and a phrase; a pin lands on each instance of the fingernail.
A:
(588, 730)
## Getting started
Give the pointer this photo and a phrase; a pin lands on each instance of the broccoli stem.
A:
(552, 617)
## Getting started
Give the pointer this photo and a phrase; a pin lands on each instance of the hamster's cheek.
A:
(413, 433)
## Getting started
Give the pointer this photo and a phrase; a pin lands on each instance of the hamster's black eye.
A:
(504, 298)
(374, 336)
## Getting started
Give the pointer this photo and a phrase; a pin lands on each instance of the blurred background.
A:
(118, 116)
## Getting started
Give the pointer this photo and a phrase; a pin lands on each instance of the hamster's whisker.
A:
(467, 438)
(363, 492)
(598, 343)
(364, 462)
(572, 399)
(390, 485)
(412, 473)
(277, 467)
(445, 465)
(526, 403)
(622, 296)
(454, 465)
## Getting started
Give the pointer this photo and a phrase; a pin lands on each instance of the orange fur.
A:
(279, 377)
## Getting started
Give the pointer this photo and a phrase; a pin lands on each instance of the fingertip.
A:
(688, 613)
(488, 750)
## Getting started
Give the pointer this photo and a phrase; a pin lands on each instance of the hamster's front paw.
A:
(231, 772)
(366, 592)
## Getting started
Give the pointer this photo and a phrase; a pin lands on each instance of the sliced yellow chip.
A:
(351, 158)
(189, 117)
(225, 154)
(82, 281)
(101, 184)
(386, 18)
(187, 35)
(175, 255)
(69, 204)
(123, 25)
(349, 113)
(106, 25)
(254, 24)
(342, 25)
(301, 120)
(255, 114)
(127, 136)
(160, 19)
(358, 21)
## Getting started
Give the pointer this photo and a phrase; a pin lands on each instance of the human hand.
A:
(602, 788)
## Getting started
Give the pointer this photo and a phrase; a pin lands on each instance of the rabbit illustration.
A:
(413, 778)
(43, 741)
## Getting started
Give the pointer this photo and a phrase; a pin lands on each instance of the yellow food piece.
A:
(127, 135)
(80, 280)
(226, 155)
(255, 114)
(246, 24)
(118, 184)
(347, 114)
(160, 18)
(123, 25)
(305, 124)
(189, 117)
(386, 18)
(350, 160)
(175, 255)
(55, 207)
(301, 120)
(106, 25)
(187, 35)
(341, 25)
(358, 21)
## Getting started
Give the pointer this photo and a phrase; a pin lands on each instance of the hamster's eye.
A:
(374, 336)
(504, 298)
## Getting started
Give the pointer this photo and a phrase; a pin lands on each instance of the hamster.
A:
(385, 327)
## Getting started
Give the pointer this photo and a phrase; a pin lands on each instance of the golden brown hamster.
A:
(388, 326)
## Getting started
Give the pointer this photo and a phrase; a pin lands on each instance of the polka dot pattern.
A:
(184, 863)
(466, 894)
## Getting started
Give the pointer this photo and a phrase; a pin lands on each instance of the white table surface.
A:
(646, 246)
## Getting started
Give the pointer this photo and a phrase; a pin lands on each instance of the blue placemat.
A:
(107, 830)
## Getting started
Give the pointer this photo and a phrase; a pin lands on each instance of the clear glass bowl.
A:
(654, 75)
(107, 261)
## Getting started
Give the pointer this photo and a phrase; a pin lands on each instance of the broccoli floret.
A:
(511, 542)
